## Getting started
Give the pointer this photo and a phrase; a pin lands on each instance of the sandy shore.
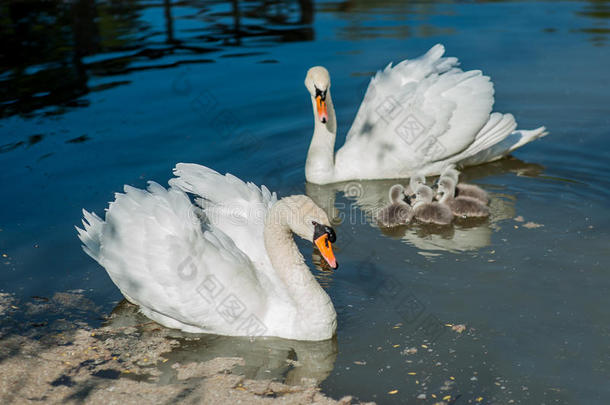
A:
(67, 361)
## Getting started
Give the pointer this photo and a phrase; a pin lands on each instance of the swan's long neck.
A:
(320, 164)
(315, 310)
(449, 194)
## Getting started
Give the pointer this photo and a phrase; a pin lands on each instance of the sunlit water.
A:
(95, 96)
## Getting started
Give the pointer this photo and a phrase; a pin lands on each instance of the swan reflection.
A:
(286, 361)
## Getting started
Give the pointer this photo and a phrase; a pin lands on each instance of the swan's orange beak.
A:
(322, 112)
(326, 249)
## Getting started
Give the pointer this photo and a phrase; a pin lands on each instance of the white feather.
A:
(183, 264)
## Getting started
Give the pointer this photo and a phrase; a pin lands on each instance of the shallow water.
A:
(95, 96)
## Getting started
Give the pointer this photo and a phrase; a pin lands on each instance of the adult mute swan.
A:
(416, 117)
(228, 265)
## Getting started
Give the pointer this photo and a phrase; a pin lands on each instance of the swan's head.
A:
(310, 222)
(446, 188)
(317, 82)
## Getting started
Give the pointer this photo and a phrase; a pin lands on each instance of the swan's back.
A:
(162, 253)
(421, 114)
(232, 205)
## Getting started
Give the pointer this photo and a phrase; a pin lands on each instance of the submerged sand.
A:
(67, 361)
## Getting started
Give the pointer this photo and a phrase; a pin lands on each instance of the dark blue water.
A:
(97, 95)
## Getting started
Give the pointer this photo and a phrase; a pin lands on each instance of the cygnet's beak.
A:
(322, 111)
(325, 247)
(434, 185)
(408, 199)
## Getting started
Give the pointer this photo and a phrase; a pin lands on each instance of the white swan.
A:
(417, 116)
(228, 265)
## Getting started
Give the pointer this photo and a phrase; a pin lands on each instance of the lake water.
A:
(97, 95)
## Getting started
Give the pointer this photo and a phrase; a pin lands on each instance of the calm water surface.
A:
(97, 95)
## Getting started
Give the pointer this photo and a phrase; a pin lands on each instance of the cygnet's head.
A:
(423, 194)
(397, 194)
(317, 82)
(311, 223)
(452, 172)
(417, 180)
(446, 188)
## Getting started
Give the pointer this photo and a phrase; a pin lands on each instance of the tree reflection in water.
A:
(53, 49)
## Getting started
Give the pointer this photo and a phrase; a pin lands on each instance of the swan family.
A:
(215, 254)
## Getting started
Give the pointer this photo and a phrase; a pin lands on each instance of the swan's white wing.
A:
(504, 146)
(183, 274)
(233, 206)
(419, 111)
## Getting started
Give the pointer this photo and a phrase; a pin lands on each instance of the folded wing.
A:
(167, 258)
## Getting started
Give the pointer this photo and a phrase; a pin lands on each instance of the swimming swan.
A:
(228, 265)
(398, 212)
(417, 116)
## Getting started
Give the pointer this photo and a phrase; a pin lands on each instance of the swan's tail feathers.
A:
(497, 128)
(508, 143)
(528, 135)
(91, 234)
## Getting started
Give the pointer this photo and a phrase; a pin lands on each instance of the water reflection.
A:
(53, 49)
(400, 19)
(599, 12)
(287, 361)
(464, 235)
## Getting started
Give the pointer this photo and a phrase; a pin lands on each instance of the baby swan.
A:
(465, 207)
(398, 212)
(430, 212)
(415, 180)
(463, 189)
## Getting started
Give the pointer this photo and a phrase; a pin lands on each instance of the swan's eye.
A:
(320, 230)
(320, 93)
(332, 237)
